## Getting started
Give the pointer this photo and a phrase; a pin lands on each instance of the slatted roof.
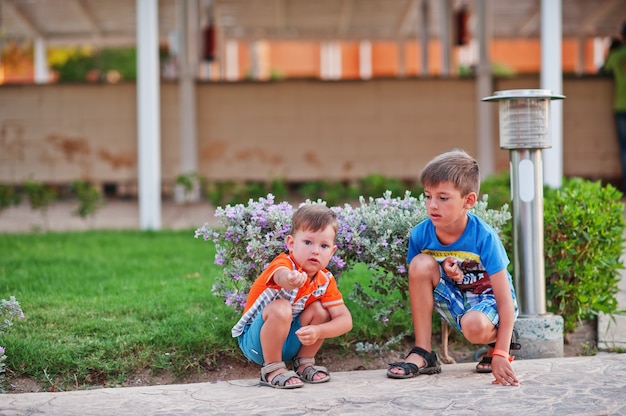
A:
(114, 21)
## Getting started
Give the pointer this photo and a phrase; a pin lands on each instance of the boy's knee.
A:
(476, 329)
(278, 309)
(424, 266)
(314, 314)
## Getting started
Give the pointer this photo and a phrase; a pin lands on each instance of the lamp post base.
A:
(541, 336)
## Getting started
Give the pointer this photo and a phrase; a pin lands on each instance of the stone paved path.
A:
(593, 385)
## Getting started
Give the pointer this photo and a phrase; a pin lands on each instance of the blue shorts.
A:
(250, 341)
(452, 303)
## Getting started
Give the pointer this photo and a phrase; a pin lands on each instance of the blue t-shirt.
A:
(479, 252)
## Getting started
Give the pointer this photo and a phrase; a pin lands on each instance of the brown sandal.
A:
(308, 374)
(279, 381)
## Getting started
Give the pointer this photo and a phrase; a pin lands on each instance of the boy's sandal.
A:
(412, 370)
(279, 381)
(310, 371)
(481, 367)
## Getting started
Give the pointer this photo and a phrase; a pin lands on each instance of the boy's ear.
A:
(289, 241)
(470, 200)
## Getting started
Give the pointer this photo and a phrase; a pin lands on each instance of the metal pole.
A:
(527, 201)
(484, 121)
(525, 132)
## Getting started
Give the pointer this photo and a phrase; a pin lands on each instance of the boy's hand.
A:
(296, 278)
(308, 335)
(503, 371)
(452, 269)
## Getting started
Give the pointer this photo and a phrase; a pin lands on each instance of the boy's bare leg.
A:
(478, 329)
(314, 314)
(423, 277)
(274, 332)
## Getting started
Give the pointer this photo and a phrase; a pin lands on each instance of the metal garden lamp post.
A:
(525, 132)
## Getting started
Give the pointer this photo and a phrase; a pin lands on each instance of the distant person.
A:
(295, 304)
(616, 66)
(458, 266)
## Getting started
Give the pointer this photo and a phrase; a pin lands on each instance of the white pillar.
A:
(599, 49)
(552, 79)
(255, 60)
(148, 115)
(232, 60)
(580, 62)
(446, 43)
(424, 38)
(484, 86)
(187, 61)
(365, 59)
(401, 73)
(330, 60)
(42, 75)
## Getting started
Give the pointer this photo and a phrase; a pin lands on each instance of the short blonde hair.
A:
(456, 167)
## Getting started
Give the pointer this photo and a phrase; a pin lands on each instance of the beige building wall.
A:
(305, 130)
(294, 130)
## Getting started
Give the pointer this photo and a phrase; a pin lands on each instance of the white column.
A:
(552, 79)
(484, 87)
(255, 64)
(330, 60)
(232, 60)
(424, 38)
(445, 37)
(580, 62)
(365, 59)
(187, 61)
(401, 73)
(599, 49)
(148, 115)
(42, 75)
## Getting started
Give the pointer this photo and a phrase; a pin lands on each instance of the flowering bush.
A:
(375, 233)
(9, 310)
(251, 237)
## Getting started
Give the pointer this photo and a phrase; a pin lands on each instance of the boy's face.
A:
(445, 205)
(312, 250)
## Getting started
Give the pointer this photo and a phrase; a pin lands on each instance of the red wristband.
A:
(503, 354)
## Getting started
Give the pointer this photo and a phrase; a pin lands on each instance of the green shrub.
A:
(39, 195)
(583, 225)
(498, 188)
(9, 196)
(89, 198)
(186, 180)
(278, 188)
(334, 192)
(583, 233)
(80, 63)
(376, 184)
(224, 192)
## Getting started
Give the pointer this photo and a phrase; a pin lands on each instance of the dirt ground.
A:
(580, 342)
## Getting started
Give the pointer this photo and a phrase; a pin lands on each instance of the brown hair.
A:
(314, 217)
(456, 167)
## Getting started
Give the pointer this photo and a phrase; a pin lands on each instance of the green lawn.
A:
(100, 305)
